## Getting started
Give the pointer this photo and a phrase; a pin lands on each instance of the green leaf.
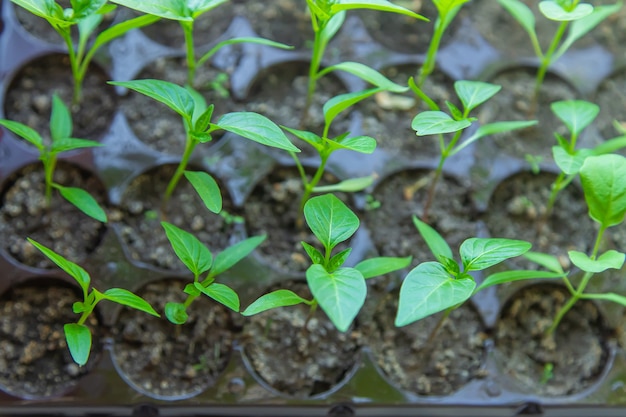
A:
(69, 144)
(309, 137)
(275, 299)
(367, 74)
(176, 312)
(610, 146)
(361, 144)
(521, 13)
(167, 9)
(199, 106)
(242, 39)
(492, 129)
(315, 255)
(341, 294)
(173, 96)
(474, 93)
(83, 201)
(86, 27)
(511, 276)
(332, 27)
(454, 111)
(78, 337)
(375, 267)
(258, 128)
(191, 290)
(436, 122)
(381, 5)
(46, 9)
(196, 257)
(549, 262)
(338, 260)
(235, 253)
(553, 11)
(429, 289)
(568, 163)
(207, 189)
(78, 307)
(85, 8)
(60, 120)
(120, 29)
(349, 186)
(330, 220)
(198, 7)
(610, 296)
(575, 114)
(481, 253)
(24, 132)
(220, 293)
(610, 259)
(339, 103)
(203, 120)
(79, 274)
(436, 243)
(127, 298)
(603, 179)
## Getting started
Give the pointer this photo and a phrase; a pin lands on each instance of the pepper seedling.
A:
(78, 335)
(86, 15)
(340, 291)
(435, 122)
(61, 141)
(580, 17)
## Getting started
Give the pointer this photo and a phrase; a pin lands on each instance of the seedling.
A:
(199, 259)
(196, 116)
(445, 284)
(581, 18)
(86, 15)
(186, 12)
(78, 335)
(327, 17)
(61, 141)
(603, 180)
(435, 122)
(340, 291)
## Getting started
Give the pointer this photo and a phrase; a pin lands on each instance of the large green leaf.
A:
(174, 96)
(367, 74)
(474, 93)
(127, 298)
(341, 294)
(603, 179)
(339, 103)
(553, 11)
(429, 289)
(207, 188)
(375, 267)
(610, 259)
(235, 253)
(570, 164)
(382, 5)
(24, 132)
(330, 220)
(481, 253)
(220, 293)
(78, 337)
(258, 128)
(79, 274)
(575, 114)
(60, 120)
(511, 276)
(436, 122)
(196, 257)
(275, 299)
(83, 201)
(436, 243)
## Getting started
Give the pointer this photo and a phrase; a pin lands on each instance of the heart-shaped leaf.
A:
(436, 122)
(575, 114)
(474, 93)
(554, 11)
(570, 164)
(330, 220)
(610, 259)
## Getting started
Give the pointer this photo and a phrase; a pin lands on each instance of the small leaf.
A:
(220, 293)
(511, 276)
(611, 259)
(196, 257)
(549, 262)
(78, 339)
(481, 253)
(78, 307)
(83, 201)
(568, 163)
(429, 289)
(338, 260)
(330, 220)
(474, 93)
(332, 26)
(382, 5)
(60, 120)
(375, 267)
(207, 189)
(521, 13)
(492, 129)
(604, 184)
(258, 128)
(69, 144)
(349, 186)
(79, 274)
(553, 11)
(275, 299)
(176, 312)
(235, 253)
(24, 132)
(120, 29)
(367, 74)
(127, 298)
(436, 243)
(610, 296)
(361, 144)
(191, 290)
(309, 137)
(339, 103)
(315, 255)
(167, 9)
(454, 111)
(341, 294)
(436, 122)
(575, 114)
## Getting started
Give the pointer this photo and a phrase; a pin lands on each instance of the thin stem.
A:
(431, 55)
(436, 329)
(191, 55)
(49, 163)
(316, 60)
(190, 145)
(310, 315)
(67, 37)
(308, 187)
(546, 60)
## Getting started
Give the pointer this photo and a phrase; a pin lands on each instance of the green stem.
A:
(190, 145)
(308, 187)
(310, 315)
(436, 329)
(316, 60)
(49, 163)
(546, 60)
(431, 55)
(67, 37)
(191, 55)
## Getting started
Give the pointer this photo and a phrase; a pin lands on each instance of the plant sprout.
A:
(86, 15)
(435, 122)
(78, 335)
(580, 17)
(61, 141)
(186, 12)
(340, 291)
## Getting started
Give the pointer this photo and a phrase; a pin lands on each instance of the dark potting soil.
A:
(441, 366)
(171, 360)
(29, 97)
(295, 360)
(566, 362)
(34, 359)
(63, 228)
(140, 222)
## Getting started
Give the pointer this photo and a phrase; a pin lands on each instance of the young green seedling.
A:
(86, 15)
(445, 284)
(186, 12)
(196, 116)
(61, 141)
(78, 335)
(603, 179)
(327, 17)
(435, 122)
(340, 291)
(580, 17)
(199, 259)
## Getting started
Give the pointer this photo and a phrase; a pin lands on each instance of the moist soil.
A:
(28, 98)
(441, 366)
(61, 227)
(294, 360)
(171, 360)
(34, 359)
(577, 351)
(141, 216)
